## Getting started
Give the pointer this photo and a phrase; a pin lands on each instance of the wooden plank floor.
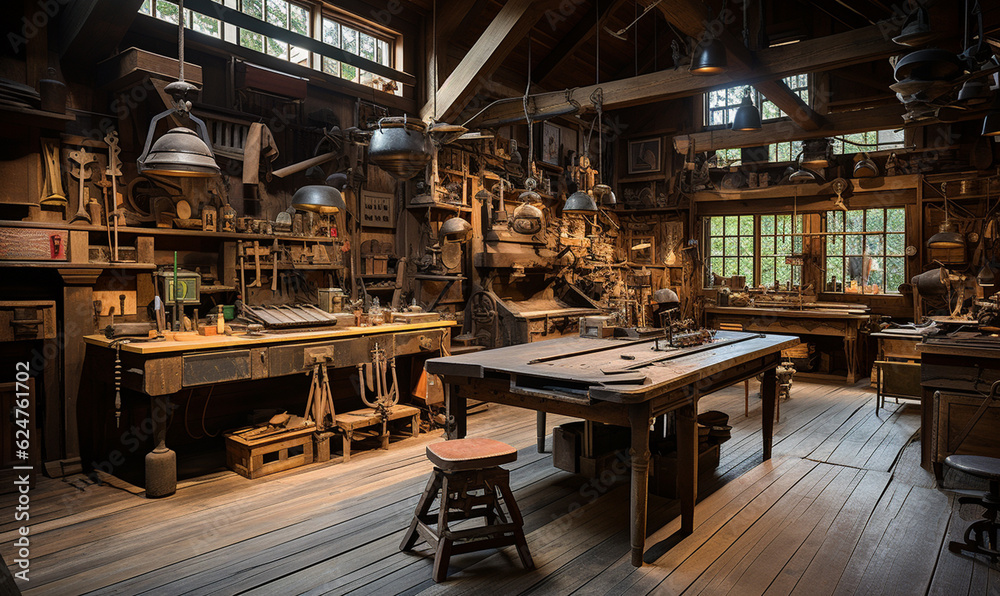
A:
(842, 508)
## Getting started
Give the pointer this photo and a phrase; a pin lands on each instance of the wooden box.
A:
(663, 472)
(608, 443)
(376, 264)
(253, 458)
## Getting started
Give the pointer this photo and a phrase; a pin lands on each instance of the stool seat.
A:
(979, 466)
(470, 454)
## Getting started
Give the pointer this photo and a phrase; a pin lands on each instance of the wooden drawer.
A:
(298, 358)
(905, 349)
(27, 320)
(216, 367)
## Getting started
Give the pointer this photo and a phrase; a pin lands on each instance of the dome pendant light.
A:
(180, 152)
(747, 115)
(709, 58)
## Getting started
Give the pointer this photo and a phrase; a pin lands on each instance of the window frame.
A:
(387, 43)
(758, 100)
(883, 255)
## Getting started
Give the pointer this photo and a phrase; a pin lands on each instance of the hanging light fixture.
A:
(947, 236)
(181, 152)
(747, 115)
(318, 198)
(991, 124)
(986, 276)
(709, 58)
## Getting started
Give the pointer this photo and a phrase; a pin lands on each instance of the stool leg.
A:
(385, 434)
(746, 398)
(423, 506)
(515, 515)
(442, 553)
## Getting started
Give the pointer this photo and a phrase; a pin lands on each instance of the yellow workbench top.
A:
(188, 340)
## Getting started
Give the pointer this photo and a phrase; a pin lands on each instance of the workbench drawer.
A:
(298, 358)
(419, 342)
(216, 367)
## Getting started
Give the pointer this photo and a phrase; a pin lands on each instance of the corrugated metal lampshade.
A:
(709, 58)
(318, 198)
(180, 152)
(580, 203)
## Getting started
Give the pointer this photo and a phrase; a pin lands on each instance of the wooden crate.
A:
(253, 458)
(663, 472)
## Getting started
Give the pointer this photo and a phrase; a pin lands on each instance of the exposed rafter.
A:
(581, 33)
(827, 53)
(507, 29)
(689, 17)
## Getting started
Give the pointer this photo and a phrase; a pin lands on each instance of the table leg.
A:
(161, 462)
(639, 417)
(851, 353)
(687, 465)
(455, 407)
(768, 396)
(540, 431)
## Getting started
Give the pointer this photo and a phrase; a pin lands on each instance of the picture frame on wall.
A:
(551, 143)
(644, 156)
(378, 209)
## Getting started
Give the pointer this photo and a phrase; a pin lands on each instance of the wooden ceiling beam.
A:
(689, 16)
(508, 29)
(890, 116)
(815, 55)
(581, 32)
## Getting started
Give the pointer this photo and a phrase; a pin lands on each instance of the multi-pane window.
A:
(873, 140)
(280, 13)
(295, 16)
(167, 11)
(730, 242)
(357, 42)
(866, 246)
(721, 104)
(780, 250)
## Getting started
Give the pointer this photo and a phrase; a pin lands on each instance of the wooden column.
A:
(77, 321)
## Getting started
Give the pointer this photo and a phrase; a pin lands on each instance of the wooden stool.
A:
(462, 467)
(981, 536)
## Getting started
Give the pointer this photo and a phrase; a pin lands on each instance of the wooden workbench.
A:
(158, 370)
(616, 382)
(830, 322)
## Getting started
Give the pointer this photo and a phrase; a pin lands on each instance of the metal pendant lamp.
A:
(991, 124)
(947, 236)
(181, 152)
(747, 116)
(986, 276)
(318, 198)
(709, 58)
(580, 203)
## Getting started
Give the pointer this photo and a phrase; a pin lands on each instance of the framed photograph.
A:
(378, 209)
(551, 143)
(644, 156)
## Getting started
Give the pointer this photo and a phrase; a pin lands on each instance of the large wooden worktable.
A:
(161, 369)
(810, 321)
(616, 382)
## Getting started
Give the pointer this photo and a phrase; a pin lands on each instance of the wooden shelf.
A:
(378, 276)
(164, 232)
(423, 277)
(69, 265)
(441, 206)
